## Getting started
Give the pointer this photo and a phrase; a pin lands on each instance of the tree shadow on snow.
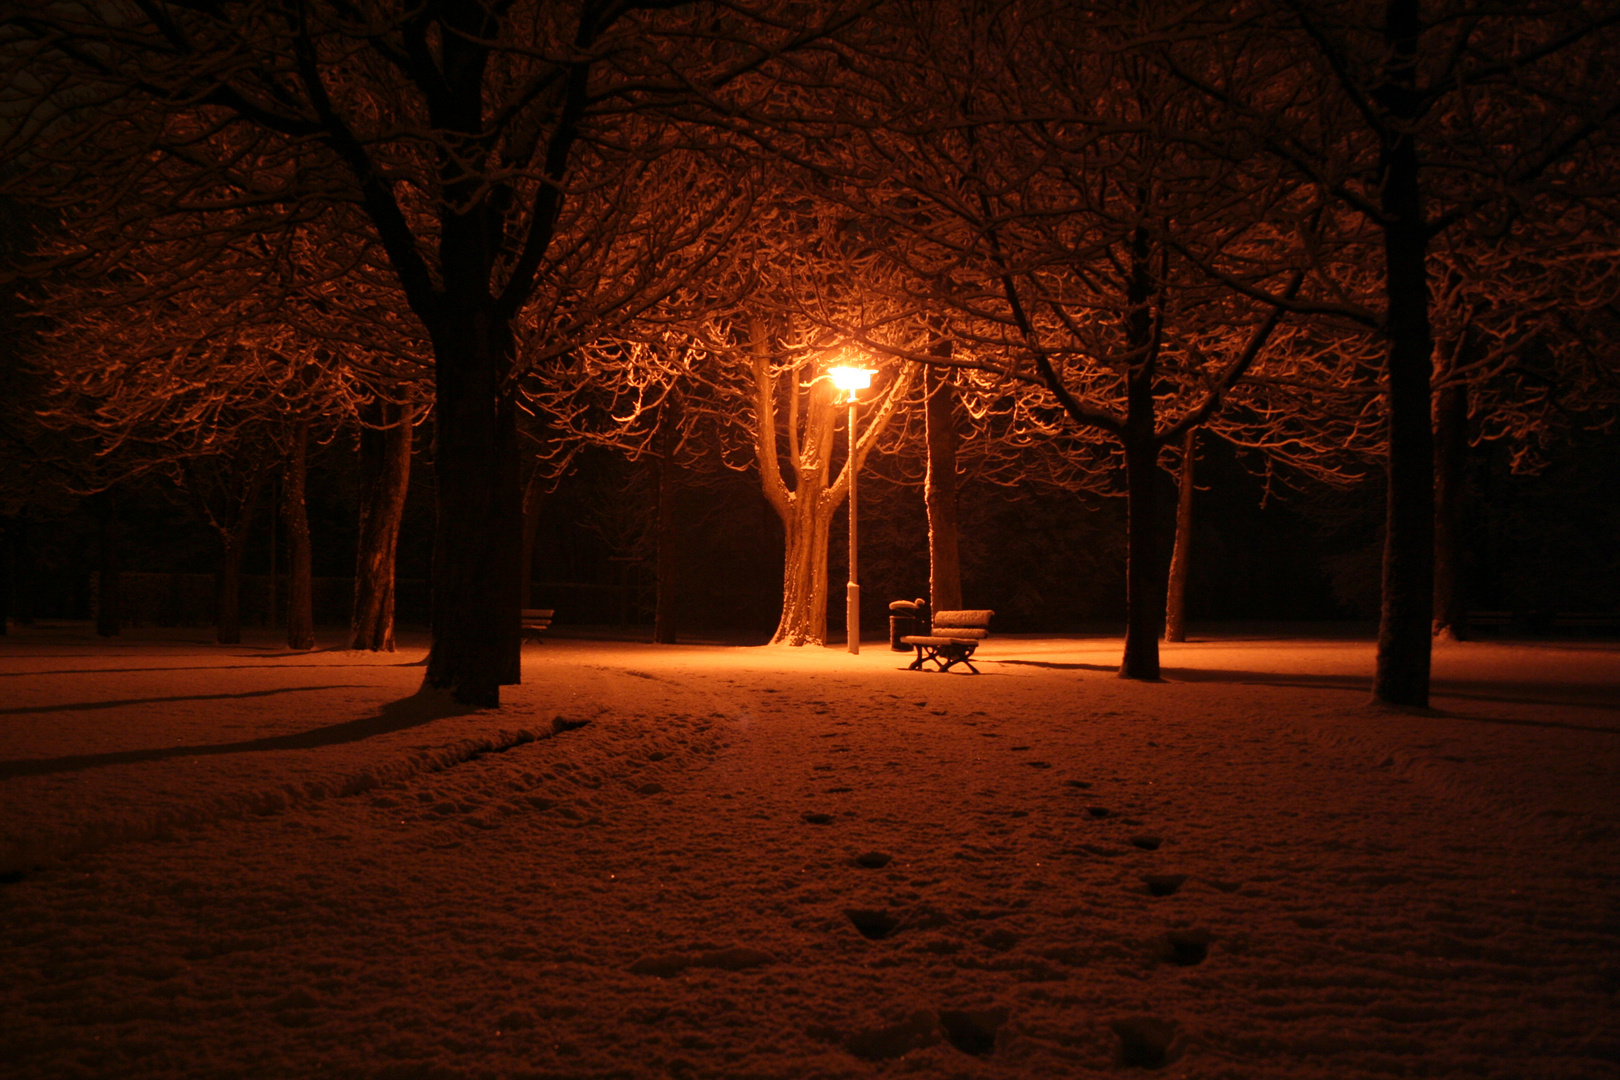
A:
(418, 709)
(195, 667)
(1590, 696)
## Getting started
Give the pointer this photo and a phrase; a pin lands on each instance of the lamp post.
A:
(853, 380)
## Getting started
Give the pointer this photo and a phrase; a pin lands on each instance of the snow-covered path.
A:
(700, 861)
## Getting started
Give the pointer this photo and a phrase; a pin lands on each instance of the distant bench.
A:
(955, 635)
(534, 622)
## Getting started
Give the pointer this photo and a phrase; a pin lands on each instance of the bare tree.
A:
(1415, 116)
(485, 150)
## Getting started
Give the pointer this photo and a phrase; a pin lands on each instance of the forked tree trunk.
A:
(1451, 460)
(479, 531)
(385, 475)
(295, 520)
(940, 494)
(1175, 607)
(108, 617)
(1406, 617)
(665, 614)
(804, 574)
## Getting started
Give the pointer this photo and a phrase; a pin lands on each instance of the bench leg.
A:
(917, 664)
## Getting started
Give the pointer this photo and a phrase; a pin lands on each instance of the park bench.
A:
(954, 637)
(534, 622)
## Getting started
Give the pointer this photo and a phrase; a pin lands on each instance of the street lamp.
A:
(853, 380)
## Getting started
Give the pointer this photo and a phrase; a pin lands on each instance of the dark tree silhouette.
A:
(482, 149)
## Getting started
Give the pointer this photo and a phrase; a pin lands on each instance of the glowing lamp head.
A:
(850, 379)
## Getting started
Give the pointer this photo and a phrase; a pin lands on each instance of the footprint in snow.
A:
(872, 860)
(1146, 1041)
(1164, 884)
(972, 1031)
(872, 923)
(812, 818)
(1147, 843)
(1187, 948)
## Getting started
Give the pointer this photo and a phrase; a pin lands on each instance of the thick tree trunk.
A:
(1144, 571)
(479, 533)
(385, 476)
(1451, 460)
(108, 617)
(1406, 618)
(944, 551)
(1175, 607)
(665, 617)
(295, 520)
(804, 574)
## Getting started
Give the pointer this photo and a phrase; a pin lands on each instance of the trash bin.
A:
(907, 617)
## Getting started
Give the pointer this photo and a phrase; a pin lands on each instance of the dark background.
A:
(1042, 558)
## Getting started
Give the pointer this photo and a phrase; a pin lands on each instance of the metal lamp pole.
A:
(852, 592)
(852, 379)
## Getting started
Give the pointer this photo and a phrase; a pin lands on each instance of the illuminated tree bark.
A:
(385, 474)
(806, 505)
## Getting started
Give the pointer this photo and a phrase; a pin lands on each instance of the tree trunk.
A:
(944, 554)
(1144, 573)
(295, 519)
(1451, 461)
(1405, 623)
(665, 617)
(479, 532)
(1175, 608)
(108, 616)
(385, 476)
(804, 573)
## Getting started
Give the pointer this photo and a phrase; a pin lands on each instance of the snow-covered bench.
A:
(534, 622)
(954, 637)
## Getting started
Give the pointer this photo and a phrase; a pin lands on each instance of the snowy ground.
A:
(225, 862)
